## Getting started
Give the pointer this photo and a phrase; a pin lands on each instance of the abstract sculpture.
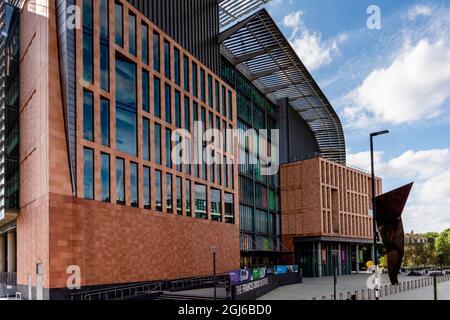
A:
(389, 209)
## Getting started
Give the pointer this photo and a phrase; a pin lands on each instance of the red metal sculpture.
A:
(389, 209)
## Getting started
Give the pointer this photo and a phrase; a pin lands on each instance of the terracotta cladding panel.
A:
(320, 197)
(118, 244)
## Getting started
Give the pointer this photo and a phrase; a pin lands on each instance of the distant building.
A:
(413, 238)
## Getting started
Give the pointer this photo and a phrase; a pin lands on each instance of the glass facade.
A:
(146, 139)
(200, 202)
(105, 178)
(120, 181)
(119, 24)
(88, 116)
(147, 186)
(104, 122)
(259, 195)
(134, 182)
(88, 41)
(104, 45)
(145, 91)
(168, 194)
(216, 205)
(167, 60)
(88, 171)
(132, 34)
(126, 117)
(156, 52)
(144, 43)
(157, 97)
(134, 150)
(158, 190)
(179, 195)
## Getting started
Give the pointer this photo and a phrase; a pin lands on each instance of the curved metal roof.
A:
(232, 10)
(258, 48)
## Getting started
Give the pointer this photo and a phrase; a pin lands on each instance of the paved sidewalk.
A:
(318, 287)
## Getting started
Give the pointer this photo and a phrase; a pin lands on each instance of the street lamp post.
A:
(374, 209)
(214, 251)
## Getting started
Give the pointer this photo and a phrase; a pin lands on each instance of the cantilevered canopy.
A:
(232, 10)
(257, 47)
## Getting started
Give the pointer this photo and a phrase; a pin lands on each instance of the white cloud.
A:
(419, 10)
(413, 88)
(308, 44)
(429, 203)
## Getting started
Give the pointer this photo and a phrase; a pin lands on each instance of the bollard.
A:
(324, 298)
(363, 294)
(400, 287)
(408, 285)
(404, 286)
(391, 291)
(341, 296)
(369, 294)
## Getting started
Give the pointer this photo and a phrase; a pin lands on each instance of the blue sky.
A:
(396, 78)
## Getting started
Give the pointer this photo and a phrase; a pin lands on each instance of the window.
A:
(216, 205)
(187, 166)
(88, 116)
(104, 45)
(167, 59)
(195, 79)
(187, 113)
(224, 101)
(126, 118)
(144, 43)
(88, 42)
(179, 196)
(176, 63)
(104, 122)
(146, 139)
(186, 73)
(217, 95)
(88, 174)
(105, 178)
(119, 24)
(120, 181)
(203, 115)
(147, 181)
(145, 91)
(134, 180)
(200, 202)
(157, 97)
(188, 198)
(156, 53)
(158, 191)
(158, 143)
(202, 85)
(224, 167)
(132, 34)
(168, 148)
(230, 105)
(210, 91)
(196, 143)
(169, 193)
(178, 109)
(168, 103)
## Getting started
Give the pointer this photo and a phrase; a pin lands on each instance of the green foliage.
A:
(434, 253)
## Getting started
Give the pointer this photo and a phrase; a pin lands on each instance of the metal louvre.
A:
(232, 10)
(257, 47)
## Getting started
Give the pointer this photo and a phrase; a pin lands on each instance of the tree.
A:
(442, 247)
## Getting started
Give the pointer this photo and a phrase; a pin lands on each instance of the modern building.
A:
(92, 94)
(327, 216)
(414, 238)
